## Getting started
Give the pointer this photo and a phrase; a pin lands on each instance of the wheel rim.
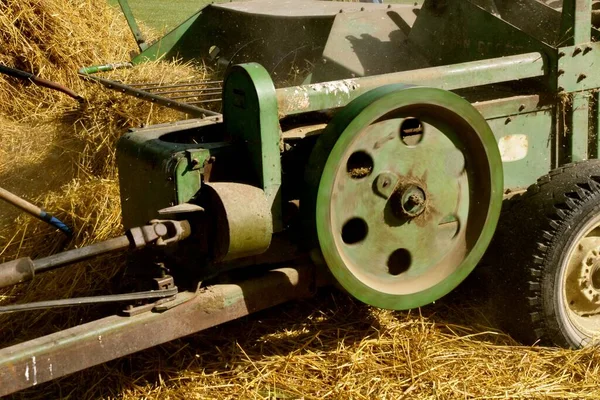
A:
(580, 283)
(397, 220)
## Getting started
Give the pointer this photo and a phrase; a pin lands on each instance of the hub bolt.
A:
(410, 201)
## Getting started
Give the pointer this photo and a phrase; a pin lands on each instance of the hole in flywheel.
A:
(596, 278)
(411, 131)
(354, 231)
(360, 165)
(399, 262)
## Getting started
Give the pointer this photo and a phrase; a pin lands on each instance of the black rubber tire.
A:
(528, 253)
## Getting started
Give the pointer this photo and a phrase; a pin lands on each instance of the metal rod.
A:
(189, 96)
(79, 301)
(159, 233)
(145, 86)
(94, 69)
(218, 89)
(81, 254)
(35, 211)
(205, 101)
(62, 353)
(322, 96)
(164, 101)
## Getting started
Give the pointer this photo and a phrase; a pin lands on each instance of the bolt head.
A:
(161, 230)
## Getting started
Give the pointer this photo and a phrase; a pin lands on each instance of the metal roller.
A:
(242, 218)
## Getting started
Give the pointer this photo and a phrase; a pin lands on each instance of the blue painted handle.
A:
(57, 223)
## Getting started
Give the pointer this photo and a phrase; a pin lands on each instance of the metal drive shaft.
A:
(159, 233)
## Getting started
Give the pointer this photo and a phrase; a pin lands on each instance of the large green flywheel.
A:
(406, 186)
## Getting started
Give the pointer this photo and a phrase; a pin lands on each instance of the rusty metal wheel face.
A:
(580, 283)
(409, 197)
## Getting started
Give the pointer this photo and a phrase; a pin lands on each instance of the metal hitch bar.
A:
(62, 353)
(158, 233)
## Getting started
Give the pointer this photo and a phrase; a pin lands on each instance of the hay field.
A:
(60, 154)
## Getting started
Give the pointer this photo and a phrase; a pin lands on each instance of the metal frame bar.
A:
(577, 21)
(160, 85)
(307, 98)
(190, 96)
(62, 353)
(205, 91)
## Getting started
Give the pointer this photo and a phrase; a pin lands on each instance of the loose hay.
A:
(335, 348)
(61, 154)
(62, 157)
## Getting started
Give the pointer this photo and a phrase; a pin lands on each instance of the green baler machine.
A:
(412, 142)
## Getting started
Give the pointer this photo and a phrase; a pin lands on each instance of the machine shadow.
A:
(323, 324)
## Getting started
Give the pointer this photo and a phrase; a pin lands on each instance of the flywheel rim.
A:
(341, 135)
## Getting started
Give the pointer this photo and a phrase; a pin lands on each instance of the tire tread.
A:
(530, 228)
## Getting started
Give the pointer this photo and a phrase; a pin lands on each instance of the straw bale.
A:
(53, 39)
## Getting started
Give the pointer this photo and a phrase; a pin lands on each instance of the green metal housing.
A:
(533, 82)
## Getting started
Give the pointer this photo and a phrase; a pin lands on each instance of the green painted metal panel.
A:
(168, 43)
(516, 105)
(455, 31)
(595, 130)
(532, 17)
(221, 35)
(368, 43)
(250, 115)
(580, 127)
(576, 24)
(526, 146)
(578, 67)
(155, 171)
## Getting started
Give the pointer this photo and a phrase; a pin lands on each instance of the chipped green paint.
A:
(319, 96)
